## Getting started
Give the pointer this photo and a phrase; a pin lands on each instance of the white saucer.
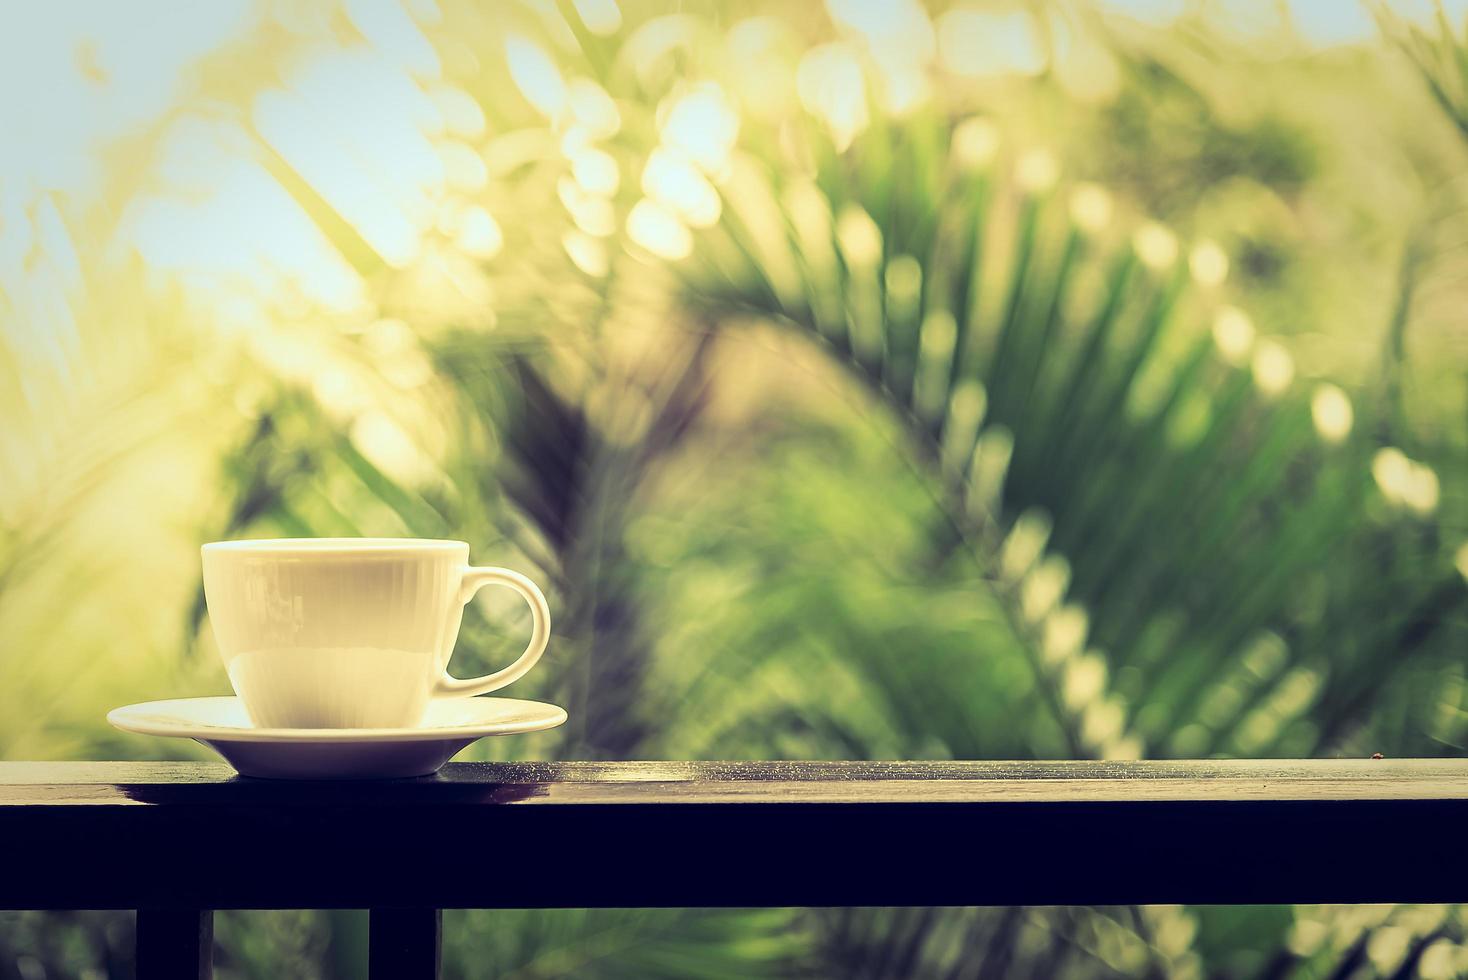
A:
(336, 753)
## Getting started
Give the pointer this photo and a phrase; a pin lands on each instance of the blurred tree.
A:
(842, 423)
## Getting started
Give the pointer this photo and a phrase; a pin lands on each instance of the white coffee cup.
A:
(351, 632)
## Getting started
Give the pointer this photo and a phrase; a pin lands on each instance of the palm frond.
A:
(1124, 481)
(1438, 52)
(1082, 410)
(618, 943)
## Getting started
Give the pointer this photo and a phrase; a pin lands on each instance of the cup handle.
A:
(474, 580)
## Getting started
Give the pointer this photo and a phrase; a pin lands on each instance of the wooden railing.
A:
(176, 840)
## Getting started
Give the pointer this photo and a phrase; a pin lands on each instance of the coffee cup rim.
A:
(333, 546)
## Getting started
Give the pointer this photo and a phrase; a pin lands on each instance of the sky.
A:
(77, 74)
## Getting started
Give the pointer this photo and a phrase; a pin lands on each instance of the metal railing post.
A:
(175, 944)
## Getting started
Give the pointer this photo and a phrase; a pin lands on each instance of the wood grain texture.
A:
(149, 783)
(88, 835)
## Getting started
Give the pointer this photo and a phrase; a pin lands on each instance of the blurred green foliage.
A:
(841, 420)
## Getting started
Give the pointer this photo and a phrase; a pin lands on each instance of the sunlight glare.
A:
(1090, 207)
(704, 124)
(1233, 334)
(1044, 587)
(1423, 490)
(463, 169)
(901, 24)
(939, 333)
(1103, 720)
(671, 179)
(375, 108)
(596, 171)
(989, 469)
(387, 337)
(462, 115)
(392, 32)
(1391, 469)
(536, 76)
(383, 441)
(341, 392)
(591, 213)
(1208, 263)
(810, 213)
(219, 221)
(1127, 748)
(586, 253)
(765, 49)
(1083, 681)
(1273, 367)
(832, 88)
(54, 114)
(659, 230)
(1153, 11)
(1331, 412)
(975, 143)
(899, 37)
(424, 11)
(479, 234)
(575, 139)
(858, 235)
(1025, 544)
(1036, 171)
(1065, 633)
(654, 45)
(1083, 62)
(602, 17)
(593, 108)
(904, 284)
(977, 43)
(1441, 959)
(353, 126)
(967, 404)
(296, 133)
(937, 337)
(1156, 246)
